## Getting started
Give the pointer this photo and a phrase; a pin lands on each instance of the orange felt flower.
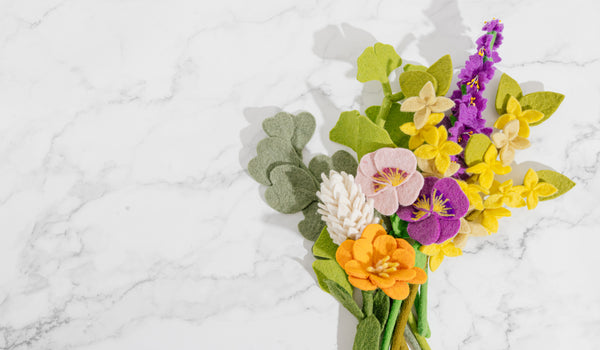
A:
(377, 259)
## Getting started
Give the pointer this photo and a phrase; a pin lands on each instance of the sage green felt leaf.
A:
(324, 246)
(442, 71)
(320, 164)
(544, 101)
(327, 269)
(381, 307)
(344, 161)
(399, 227)
(293, 189)
(507, 87)
(345, 298)
(280, 125)
(367, 334)
(304, 128)
(561, 182)
(412, 67)
(412, 82)
(377, 62)
(475, 149)
(393, 122)
(271, 152)
(310, 227)
(359, 133)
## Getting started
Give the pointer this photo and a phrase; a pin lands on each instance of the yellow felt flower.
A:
(426, 103)
(468, 229)
(473, 192)
(439, 148)
(437, 252)
(508, 141)
(428, 168)
(532, 189)
(489, 167)
(514, 112)
(504, 193)
(489, 217)
(417, 136)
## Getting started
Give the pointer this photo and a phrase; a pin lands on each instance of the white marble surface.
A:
(128, 221)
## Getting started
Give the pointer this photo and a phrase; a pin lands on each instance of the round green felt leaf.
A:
(544, 101)
(320, 164)
(561, 182)
(442, 71)
(344, 161)
(271, 152)
(293, 189)
(304, 128)
(312, 225)
(412, 82)
(280, 125)
(476, 147)
(507, 87)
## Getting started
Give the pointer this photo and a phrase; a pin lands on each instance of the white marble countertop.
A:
(128, 220)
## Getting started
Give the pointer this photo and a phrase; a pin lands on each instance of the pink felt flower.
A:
(389, 176)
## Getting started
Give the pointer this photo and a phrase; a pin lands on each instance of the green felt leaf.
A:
(344, 161)
(377, 62)
(544, 101)
(399, 227)
(271, 152)
(280, 125)
(359, 133)
(345, 298)
(412, 67)
(475, 149)
(381, 307)
(393, 122)
(412, 82)
(367, 334)
(560, 181)
(310, 227)
(506, 87)
(304, 128)
(293, 189)
(327, 269)
(420, 258)
(320, 164)
(442, 71)
(324, 246)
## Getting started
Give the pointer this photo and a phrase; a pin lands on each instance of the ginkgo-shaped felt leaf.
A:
(439, 148)
(377, 62)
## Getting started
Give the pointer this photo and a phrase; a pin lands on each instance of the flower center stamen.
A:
(383, 267)
(388, 177)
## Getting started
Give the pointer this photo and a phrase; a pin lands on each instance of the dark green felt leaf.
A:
(412, 82)
(324, 246)
(412, 67)
(320, 164)
(476, 147)
(561, 182)
(304, 128)
(442, 71)
(359, 133)
(271, 152)
(327, 269)
(507, 87)
(367, 334)
(544, 101)
(393, 122)
(344, 161)
(377, 62)
(310, 227)
(399, 227)
(280, 125)
(293, 189)
(381, 307)
(345, 298)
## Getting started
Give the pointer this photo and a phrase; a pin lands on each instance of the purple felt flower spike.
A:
(435, 216)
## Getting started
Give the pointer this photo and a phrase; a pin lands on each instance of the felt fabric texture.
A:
(367, 334)
(412, 82)
(562, 183)
(546, 102)
(359, 133)
(304, 128)
(310, 227)
(489, 218)
(507, 87)
(389, 177)
(381, 307)
(417, 136)
(442, 71)
(515, 112)
(340, 161)
(324, 247)
(271, 152)
(326, 269)
(345, 298)
(468, 229)
(428, 168)
(378, 260)
(414, 67)
(489, 167)
(504, 194)
(292, 190)
(435, 216)
(394, 120)
(508, 141)
(398, 227)
(532, 189)
(437, 252)
(425, 103)
(438, 148)
(377, 62)
(298, 129)
(473, 193)
(475, 149)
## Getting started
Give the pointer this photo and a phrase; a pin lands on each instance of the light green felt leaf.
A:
(310, 227)
(475, 149)
(280, 125)
(327, 269)
(420, 258)
(367, 334)
(377, 62)
(412, 67)
(293, 189)
(561, 182)
(271, 152)
(359, 133)
(345, 298)
(344, 161)
(442, 71)
(393, 122)
(320, 164)
(412, 82)
(381, 307)
(304, 128)
(544, 101)
(507, 87)
(324, 246)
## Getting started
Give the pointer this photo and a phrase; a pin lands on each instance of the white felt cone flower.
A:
(344, 207)
(508, 141)
(426, 103)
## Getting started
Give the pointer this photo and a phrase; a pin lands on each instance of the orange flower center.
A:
(383, 267)
(388, 177)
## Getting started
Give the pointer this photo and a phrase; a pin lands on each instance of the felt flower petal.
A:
(420, 276)
(371, 232)
(448, 230)
(503, 120)
(421, 117)
(532, 116)
(426, 152)
(520, 143)
(523, 128)
(409, 129)
(513, 106)
(427, 91)
(366, 183)
(399, 291)
(386, 201)
(362, 251)
(356, 269)
(361, 283)
(367, 166)
(426, 231)
(430, 250)
(442, 162)
(454, 194)
(399, 158)
(404, 258)
(409, 191)
(412, 104)
(382, 282)
(545, 189)
(384, 244)
(507, 155)
(500, 139)
(344, 252)
(404, 274)
(442, 104)
(435, 262)
(405, 213)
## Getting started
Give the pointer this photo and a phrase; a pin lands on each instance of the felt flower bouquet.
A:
(428, 175)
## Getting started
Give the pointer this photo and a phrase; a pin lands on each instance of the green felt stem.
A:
(423, 325)
(368, 302)
(397, 96)
(386, 104)
(398, 341)
(420, 339)
(389, 325)
(411, 340)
